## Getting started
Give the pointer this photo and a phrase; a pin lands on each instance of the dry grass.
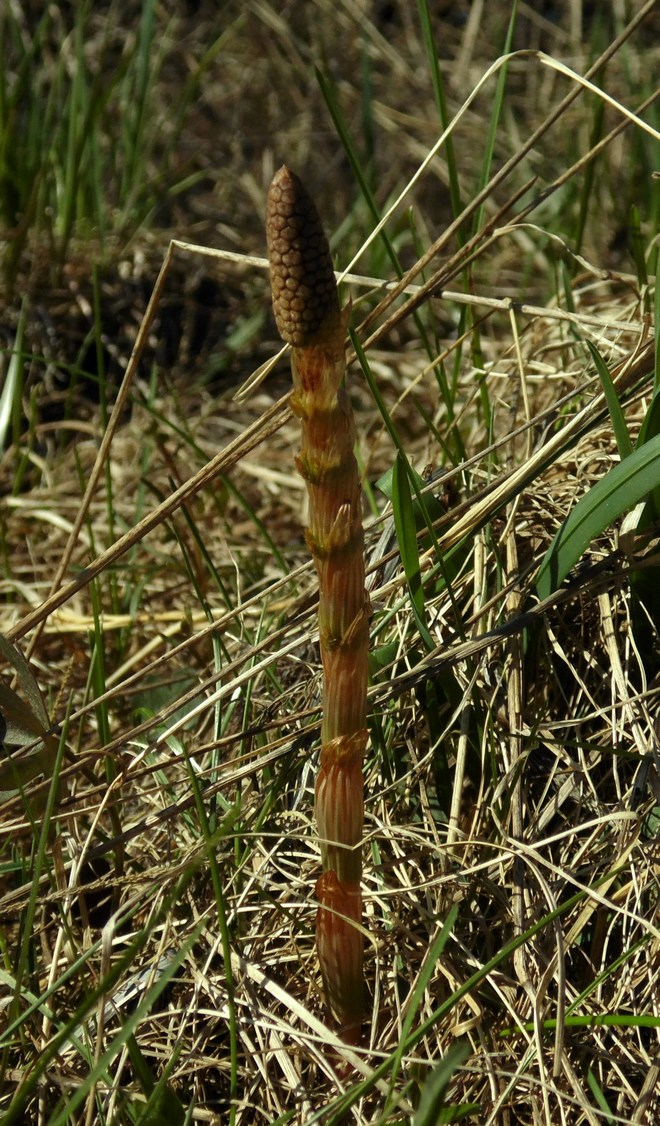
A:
(512, 785)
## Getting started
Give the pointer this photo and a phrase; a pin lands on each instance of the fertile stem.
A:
(307, 314)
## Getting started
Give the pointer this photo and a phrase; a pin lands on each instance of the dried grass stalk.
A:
(308, 316)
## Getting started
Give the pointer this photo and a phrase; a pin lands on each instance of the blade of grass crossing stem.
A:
(614, 967)
(433, 431)
(344, 136)
(259, 524)
(404, 523)
(621, 434)
(192, 567)
(412, 477)
(68, 1031)
(164, 1108)
(162, 1104)
(436, 78)
(621, 489)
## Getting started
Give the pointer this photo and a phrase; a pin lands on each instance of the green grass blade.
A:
(41, 863)
(587, 194)
(418, 1034)
(441, 103)
(412, 476)
(621, 434)
(656, 383)
(164, 1108)
(495, 116)
(589, 1020)
(10, 395)
(349, 148)
(73, 172)
(432, 1102)
(404, 522)
(620, 490)
(650, 427)
(225, 937)
(135, 96)
(425, 976)
(637, 248)
(599, 1095)
(61, 1115)
(15, 1113)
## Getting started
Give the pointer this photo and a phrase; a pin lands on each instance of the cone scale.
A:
(307, 314)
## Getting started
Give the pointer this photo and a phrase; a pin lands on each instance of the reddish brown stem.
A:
(307, 314)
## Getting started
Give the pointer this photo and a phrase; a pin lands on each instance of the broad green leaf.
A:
(434, 509)
(382, 657)
(621, 489)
